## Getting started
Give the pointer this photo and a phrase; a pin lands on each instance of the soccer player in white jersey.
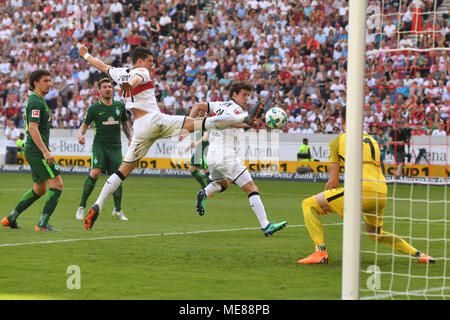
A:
(149, 123)
(222, 159)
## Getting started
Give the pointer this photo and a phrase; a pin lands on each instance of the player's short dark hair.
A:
(343, 112)
(36, 75)
(140, 53)
(238, 86)
(103, 80)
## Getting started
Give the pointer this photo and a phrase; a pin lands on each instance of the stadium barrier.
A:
(266, 155)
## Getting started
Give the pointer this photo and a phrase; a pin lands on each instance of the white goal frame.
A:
(353, 153)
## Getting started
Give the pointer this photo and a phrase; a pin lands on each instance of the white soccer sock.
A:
(224, 121)
(109, 188)
(258, 209)
(212, 188)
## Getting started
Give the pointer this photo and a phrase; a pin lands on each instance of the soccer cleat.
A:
(253, 112)
(46, 228)
(119, 215)
(201, 202)
(91, 217)
(424, 258)
(271, 228)
(12, 224)
(80, 213)
(318, 257)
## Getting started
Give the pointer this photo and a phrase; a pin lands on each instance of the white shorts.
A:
(230, 167)
(149, 128)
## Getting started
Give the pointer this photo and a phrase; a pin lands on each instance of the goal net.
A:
(406, 108)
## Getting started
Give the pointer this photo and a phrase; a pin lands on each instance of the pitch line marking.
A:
(145, 235)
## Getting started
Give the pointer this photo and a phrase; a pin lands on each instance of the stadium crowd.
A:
(294, 53)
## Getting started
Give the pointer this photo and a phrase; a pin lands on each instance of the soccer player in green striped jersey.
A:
(198, 159)
(44, 170)
(108, 116)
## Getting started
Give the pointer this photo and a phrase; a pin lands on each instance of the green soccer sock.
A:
(208, 179)
(27, 200)
(89, 185)
(198, 176)
(117, 196)
(51, 200)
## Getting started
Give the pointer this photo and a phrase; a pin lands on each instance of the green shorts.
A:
(40, 170)
(198, 161)
(106, 158)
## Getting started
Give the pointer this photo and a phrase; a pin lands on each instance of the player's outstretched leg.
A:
(91, 217)
(394, 241)
(424, 258)
(201, 202)
(271, 228)
(254, 111)
(218, 122)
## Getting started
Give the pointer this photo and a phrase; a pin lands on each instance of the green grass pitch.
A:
(166, 251)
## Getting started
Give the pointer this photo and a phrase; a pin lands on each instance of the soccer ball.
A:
(276, 118)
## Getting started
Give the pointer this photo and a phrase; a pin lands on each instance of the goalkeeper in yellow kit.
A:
(374, 196)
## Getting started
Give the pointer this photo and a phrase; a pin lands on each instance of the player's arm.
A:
(333, 179)
(127, 130)
(133, 82)
(33, 128)
(97, 63)
(82, 132)
(85, 125)
(200, 106)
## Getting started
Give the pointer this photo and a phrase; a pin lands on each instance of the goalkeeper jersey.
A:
(372, 174)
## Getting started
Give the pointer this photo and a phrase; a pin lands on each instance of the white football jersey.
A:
(140, 97)
(224, 143)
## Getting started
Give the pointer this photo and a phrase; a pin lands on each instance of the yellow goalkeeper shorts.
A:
(373, 205)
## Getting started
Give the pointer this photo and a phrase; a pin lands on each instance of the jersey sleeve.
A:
(334, 150)
(89, 116)
(213, 107)
(116, 74)
(35, 111)
(142, 72)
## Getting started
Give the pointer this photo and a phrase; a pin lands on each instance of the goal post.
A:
(398, 90)
(353, 152)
